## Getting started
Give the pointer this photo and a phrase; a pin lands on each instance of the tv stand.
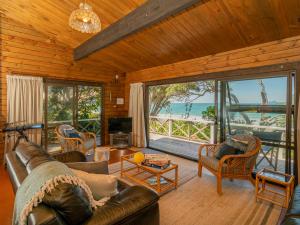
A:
(120, 140)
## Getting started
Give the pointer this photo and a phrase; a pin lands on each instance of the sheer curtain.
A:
(136, 111)
(24, 105)
(298, 141)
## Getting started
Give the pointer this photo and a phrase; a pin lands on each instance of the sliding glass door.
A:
(181, 116)
(262, 107)
(76, 104)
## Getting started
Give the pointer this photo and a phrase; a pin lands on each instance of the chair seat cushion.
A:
(73, 134)
(226, 149)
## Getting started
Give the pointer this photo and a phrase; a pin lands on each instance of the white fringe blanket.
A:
(42, 180)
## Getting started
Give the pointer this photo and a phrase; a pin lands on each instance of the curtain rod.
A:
(50, 78)
(18, 73)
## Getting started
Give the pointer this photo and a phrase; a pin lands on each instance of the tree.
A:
(209, 113)
(161, 96)
(89, 102)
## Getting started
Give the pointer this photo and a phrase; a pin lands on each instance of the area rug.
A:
(197, 203)
(187, 169)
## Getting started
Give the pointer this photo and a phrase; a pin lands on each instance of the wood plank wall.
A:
(26, 51)
(275, 52)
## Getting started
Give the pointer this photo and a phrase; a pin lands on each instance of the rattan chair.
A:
(84, 144)
(230, 166)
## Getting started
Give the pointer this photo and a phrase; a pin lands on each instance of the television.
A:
(120, 124)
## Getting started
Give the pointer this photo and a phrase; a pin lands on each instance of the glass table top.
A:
(275, 175)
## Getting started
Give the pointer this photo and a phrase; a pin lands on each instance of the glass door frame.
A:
(289, 75)
(166, 82)
(243, 73)
(73, 84)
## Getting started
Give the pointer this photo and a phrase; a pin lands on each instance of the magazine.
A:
(153, 181)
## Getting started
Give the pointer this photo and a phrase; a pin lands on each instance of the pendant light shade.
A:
(85, 19)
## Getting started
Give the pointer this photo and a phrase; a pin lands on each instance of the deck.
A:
(189, 149)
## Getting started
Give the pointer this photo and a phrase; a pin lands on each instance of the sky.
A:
(248, 91)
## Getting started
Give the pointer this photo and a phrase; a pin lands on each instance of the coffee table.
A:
(140, 174)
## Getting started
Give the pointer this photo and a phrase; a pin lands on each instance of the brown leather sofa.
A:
(134, 205)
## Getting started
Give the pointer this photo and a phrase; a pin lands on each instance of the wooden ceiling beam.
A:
(153, 11)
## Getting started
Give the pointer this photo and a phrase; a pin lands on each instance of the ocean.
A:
(178, 110)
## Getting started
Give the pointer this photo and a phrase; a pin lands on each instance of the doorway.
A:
(78, 104)
(262, 106)
(181, 114)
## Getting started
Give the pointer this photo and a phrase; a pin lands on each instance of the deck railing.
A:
(189, 129)
(198, 130)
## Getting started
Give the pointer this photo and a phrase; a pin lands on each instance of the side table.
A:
(280, 181)
(102, 154)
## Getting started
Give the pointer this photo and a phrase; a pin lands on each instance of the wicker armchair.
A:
(85, 143)
(230, 166)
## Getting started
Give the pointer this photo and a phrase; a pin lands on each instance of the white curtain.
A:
(24, 106)
(298, 142)
(136, 111)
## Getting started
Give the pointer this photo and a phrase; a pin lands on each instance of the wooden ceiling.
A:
(51, 17)
(216, 26)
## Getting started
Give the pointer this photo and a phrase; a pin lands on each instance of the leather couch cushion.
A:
(291, 221)
(101, 185)
(127, 203)
(294, 208)
(70, 202)
(27, 151)
(72, 156)
(36, 161)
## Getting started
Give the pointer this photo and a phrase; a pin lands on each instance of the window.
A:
(75, 103)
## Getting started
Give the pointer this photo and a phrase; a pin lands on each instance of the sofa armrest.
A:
(44, 215)
(90, 167)
(72, 156)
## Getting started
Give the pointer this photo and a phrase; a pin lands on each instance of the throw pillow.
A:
(226, 149)
(72, 133)
(70, 202)
(101, 185)
(237, 144)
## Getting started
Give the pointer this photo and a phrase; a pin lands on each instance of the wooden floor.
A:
(6, 198)
(196, 202)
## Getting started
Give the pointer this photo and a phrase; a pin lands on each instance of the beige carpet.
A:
(196, 202)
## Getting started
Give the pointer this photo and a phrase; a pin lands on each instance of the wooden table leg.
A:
(256, 187)
(121, 167)
(176, 177)
(263, 184)
(287, 197)
(158, 183)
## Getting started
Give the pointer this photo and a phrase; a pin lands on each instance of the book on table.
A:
(158, 161)
(153, 181)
